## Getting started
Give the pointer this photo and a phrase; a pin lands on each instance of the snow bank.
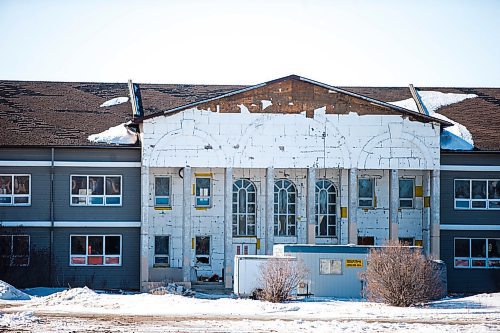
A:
(461, 139)
(15, 320)
(114, 101)
(115, 135)
(8, 292)
(71, 296)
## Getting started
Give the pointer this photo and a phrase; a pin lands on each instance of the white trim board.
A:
(70, 224)
(70, 164)
(493, 227)
(446, 167)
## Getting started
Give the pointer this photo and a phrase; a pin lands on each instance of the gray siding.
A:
(40, 196)
(114, 154)
(130, 211)
(25, 154)
(470, 158)
(37, 273)
(450, 215)
(98, 277)
(468, 280)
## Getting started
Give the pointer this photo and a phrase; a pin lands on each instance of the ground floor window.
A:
(202, 250)
(366, 240)
(162, 245)
(95, 250)
(15, 249)
(477, 253)
(406, 241)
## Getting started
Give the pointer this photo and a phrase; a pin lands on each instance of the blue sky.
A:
(361, 43)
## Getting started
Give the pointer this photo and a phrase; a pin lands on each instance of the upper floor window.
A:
(285, 195)
(406, 192)
(15, 190)
(162, 191)
(477, 194)
(326, 208)
(365, 192)
(203, 191)
(244, 200)
(15, 249)
(477, 253)
(95, 250)
(96, 190)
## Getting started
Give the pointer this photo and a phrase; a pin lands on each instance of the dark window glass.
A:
(202, 245)
(203, 187)
(95, 245)
(21, 184)
(493, 189)
(406, 188)
(5, 245)
(161, 245)
(20, 245)
(113, 186)
(79, 185)
(478, 189)
(462, 247)
(96, 185)
(365, 187)
(493, 248)
(5, 184)
(78, 244)
(112, 245)
(366, 240)
(162, 186)
(462, 189)
(478, 248)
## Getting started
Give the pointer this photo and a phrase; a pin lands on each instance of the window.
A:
(477, 253)
(95, 250)
(96, 190)
(203, 191)
(326, 209)
(162, 251)
(330, 266)
(15, 190)
(477, 194)
(284, 208)
(406, 192)
(202, 250)
(365, 192)
(162, 191)
(15, 249)
(366, 240)
(406, 241)
(244, 197)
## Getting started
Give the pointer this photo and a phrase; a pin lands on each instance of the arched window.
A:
(326, 209)
(285, 195)
(244, 197)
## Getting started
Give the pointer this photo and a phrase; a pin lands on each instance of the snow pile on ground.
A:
(432, 101)
(16, 319)
(71, 296)
(120, 134)
(8, 292)
(172, 288)
(114, 101)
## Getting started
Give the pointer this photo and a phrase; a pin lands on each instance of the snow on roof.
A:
(120, 135)
(456, 137)
(114, 101)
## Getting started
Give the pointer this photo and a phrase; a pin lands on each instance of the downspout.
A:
(51, 248)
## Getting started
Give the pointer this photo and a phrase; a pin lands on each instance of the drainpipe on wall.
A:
(51, 246)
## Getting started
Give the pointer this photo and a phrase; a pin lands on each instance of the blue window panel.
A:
(112, 201)
(5, 200)
(96, 200)
(162, 201)
(203, 201)
(462, 204)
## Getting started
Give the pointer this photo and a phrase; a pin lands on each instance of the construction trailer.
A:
(332, 270)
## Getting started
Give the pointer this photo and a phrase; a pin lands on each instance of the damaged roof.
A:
(37, 113)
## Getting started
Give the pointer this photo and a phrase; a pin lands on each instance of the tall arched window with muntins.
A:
(326, 209)
(285, 196)
(244, 198)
